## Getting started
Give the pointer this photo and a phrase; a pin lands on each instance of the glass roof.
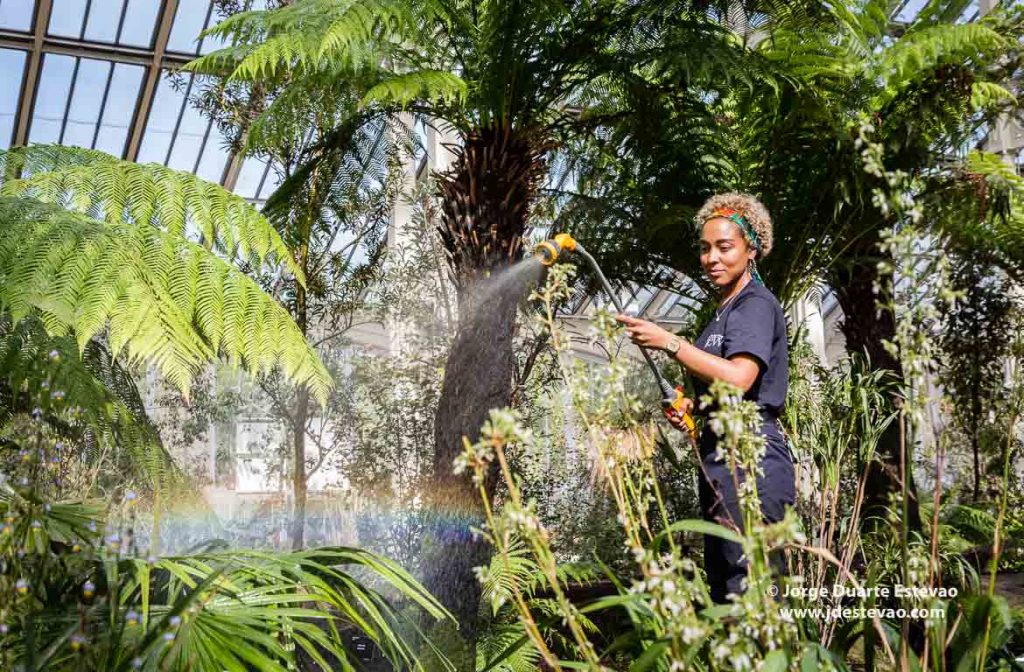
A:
(93, 73)
(12, 70)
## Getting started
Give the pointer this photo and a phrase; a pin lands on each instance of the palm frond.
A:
(306, 596)
(212, 610)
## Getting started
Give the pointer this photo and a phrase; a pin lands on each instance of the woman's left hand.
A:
(643, 333)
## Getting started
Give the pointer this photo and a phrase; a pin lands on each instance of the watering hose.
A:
(671, 398)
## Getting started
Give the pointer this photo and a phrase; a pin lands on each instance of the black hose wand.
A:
(671, 398)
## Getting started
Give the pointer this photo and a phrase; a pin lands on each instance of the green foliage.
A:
(975, 342)
(108, 408)
(420, 85)
(662, 148)
(922, 49)
(982, 211)
(505, 645)
(160, 297)
(214, 609)
(76, 591)
(310, 34)
(179, 203)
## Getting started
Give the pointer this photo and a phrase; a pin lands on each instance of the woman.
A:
(744, 344)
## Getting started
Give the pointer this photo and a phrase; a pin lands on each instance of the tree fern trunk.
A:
(299, 419)
(478, 377)
(485, 198)
(865, 330)
(299, 471)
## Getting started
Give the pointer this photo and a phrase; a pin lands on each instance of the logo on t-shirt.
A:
(714, 341)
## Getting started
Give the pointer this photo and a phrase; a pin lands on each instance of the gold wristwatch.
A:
(673, 345)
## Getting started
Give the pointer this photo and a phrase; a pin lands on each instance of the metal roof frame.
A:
(156, 59)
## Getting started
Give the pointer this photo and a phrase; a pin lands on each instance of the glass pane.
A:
(910, 10)
(213, 43)
(189, 141)
(17, 14)
(188, 23)
(970, 13)
(120, 108)
(12, 71)
(420, 138)
(51, 98)
(163, 115)
(215, 157)
(641, 300)
(140, 22)
(249, 177)
(67, 18)
(86, 100)
(103, 21)
(273, 181)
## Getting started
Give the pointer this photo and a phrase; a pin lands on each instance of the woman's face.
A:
(724, 253)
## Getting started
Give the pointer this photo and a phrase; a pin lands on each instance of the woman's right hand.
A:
(675, 418)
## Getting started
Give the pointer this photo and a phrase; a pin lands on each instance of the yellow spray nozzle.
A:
(548, 250)
(565, 241)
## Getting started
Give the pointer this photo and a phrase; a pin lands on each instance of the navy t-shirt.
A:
(754, 324)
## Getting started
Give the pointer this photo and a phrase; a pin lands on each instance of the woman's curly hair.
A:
(752, 210)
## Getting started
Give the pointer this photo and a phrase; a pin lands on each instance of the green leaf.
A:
(651, 655)
(775, 661)
(700, 527)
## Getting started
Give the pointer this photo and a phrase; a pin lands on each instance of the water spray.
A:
(671, 398)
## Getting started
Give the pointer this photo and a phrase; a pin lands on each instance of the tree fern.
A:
(159, 297)
(980, 208)
(177, 202)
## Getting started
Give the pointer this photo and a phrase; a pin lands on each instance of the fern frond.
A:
(177, 202)
(920, 51)
(434, 85)
(980, 210)
(506, 648)
(985, 95)
(511, 570)
(309, 34)
(161, 298)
